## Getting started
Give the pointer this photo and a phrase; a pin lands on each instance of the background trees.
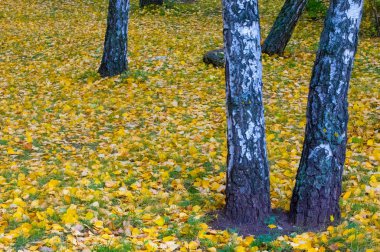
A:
(247, 189)
(372, 17)
(317, 192)
(283, 27)
(114, 59)
(150, 2)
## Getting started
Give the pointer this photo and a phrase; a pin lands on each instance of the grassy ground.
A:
(135, 162)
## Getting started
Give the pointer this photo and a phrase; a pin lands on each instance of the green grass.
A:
(123, 248)
(22, 241)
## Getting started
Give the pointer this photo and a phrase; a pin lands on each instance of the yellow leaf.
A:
(89, 216)
(324, 238)
(50, 211)
(11, 151)
(271, 226)
(160, 221)
(248, 240)
(135, 231)
(373, 181)
(71, 216)
(162, 156)
(19, 202)
(351, 238)
(54, 240)
(29, 138)
(105, 236)
(193, 245)
(98, 224)
(192, 150)
(196, 208)
(168, 238)
(239, 249)
(204, 226)
(40, 216)
(57, 227)
(53, 183)
(19, 214)
(283, 163)
(146, 217)
(347, 195)
(271, 137)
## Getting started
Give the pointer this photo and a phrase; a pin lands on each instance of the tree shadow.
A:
(277, 224)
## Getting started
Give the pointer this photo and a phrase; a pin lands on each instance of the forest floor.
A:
(136, 162)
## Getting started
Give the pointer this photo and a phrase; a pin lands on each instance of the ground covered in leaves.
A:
(137, 161)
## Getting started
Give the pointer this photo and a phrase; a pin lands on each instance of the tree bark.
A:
(114, 59)
(144, 3)
(283, 27)
(315, 200)
(376, 17)
(247, 190)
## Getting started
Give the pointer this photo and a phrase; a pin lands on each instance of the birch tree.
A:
(144, 3)
(247, 190)
(283, 27)
(114, 59)
(315, 200)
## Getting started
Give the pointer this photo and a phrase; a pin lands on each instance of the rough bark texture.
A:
(247, 191)
(283, 27)
(114, 59)
(150, 2)
(319, 178)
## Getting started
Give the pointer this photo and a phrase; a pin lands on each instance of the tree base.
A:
(106, 72)
(279, 218)
(321, 215)
(247, 208)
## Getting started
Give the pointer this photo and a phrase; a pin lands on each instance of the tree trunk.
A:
(150, 2)
(376, 17)
(247, 190)
(114, 59)
(315, 200)
(283, 27)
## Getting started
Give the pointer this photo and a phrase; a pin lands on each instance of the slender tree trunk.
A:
(283, 27)
(376, 17)
(319, 179)
(247, 191)
(150, 2)
(114, 59)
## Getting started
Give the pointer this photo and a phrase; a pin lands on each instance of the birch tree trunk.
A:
(114, 59)
(150, 2)
(247, 190)
(283, 27)
(317, 191)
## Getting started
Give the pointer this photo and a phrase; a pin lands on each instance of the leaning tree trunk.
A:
(247, 190)
(315, 200)
(376, 16)
(150, 2)
(114, 59)
(283, 27)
